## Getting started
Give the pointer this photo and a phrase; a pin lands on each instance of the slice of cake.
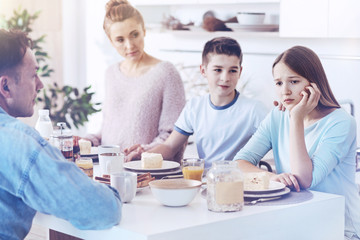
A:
(256, 181)
(151, 160)
(85, 146)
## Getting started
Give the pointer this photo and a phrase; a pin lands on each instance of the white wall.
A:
(340, 57)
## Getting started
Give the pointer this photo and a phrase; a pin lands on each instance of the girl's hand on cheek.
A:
(310, 99)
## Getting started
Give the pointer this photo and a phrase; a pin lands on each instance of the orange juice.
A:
(193, 172)
(86, 165)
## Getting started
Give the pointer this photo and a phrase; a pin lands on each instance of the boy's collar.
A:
(237, 94)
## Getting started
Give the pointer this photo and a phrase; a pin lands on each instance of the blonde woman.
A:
(144, 95)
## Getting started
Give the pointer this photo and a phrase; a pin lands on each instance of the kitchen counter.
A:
(322, 217)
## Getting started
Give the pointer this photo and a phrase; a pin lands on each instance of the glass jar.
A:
(225, 187)
(63, 140)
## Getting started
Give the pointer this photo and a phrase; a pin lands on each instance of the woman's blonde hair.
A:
(118, 11)
(307, 64)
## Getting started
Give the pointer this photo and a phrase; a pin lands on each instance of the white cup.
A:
(108, 149)
(111, 163)
(125, 183)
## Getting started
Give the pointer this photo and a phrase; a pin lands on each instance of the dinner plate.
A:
(160, 174)
(166, 166)
(282, 192)
(273, 187)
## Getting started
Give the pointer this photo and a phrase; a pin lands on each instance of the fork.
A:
(253, 202)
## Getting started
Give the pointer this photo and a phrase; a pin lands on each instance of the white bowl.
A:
(250, 18)
(175, 192)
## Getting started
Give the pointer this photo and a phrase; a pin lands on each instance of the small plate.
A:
(273, 187)
(94, 152)
(142, 188)
(166, 166)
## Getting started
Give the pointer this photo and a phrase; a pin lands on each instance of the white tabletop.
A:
(322, 217)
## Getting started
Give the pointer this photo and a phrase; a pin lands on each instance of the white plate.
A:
(273, 187)
(255, 28)
(166, 166)
(141, 188)
(285, 191)
(94, 152)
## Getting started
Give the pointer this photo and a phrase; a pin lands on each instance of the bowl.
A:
(250, 18)
(175, 192)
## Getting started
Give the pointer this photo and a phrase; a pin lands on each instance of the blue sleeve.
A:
(337, 144)
(258, 145)
(51, 185)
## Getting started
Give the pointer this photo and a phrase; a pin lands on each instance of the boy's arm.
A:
(171, 146)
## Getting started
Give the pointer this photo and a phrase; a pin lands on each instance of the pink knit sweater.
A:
(140, 109)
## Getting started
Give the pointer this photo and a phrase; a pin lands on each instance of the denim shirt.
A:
(34, 176)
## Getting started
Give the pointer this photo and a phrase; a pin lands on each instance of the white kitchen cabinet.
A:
(303, 18)
(320, 18)
(344, 18)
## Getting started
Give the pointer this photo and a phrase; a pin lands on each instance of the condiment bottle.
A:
(44, 125)
(225, 187)
(63, 140)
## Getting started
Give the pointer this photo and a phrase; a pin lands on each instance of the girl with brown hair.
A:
(314, 140)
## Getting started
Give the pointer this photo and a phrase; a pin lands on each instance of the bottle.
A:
(44, 125)
(63, 140)
(225, 187)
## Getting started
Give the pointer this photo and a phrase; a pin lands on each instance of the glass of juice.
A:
(86, 165)
(192, 168)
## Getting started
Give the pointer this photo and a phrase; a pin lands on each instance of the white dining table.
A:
(321, 217)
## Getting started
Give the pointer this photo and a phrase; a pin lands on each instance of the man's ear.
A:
(4, 87)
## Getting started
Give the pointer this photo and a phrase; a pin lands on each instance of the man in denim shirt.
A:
(34, 176)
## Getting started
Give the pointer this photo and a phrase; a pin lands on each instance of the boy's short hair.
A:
(221, 45)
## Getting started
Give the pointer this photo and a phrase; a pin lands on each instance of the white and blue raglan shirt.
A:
(220, 132)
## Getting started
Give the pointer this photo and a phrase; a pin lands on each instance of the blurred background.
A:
(80, 52)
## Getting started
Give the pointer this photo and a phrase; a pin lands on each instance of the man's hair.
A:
(13, 46)
(221, 45)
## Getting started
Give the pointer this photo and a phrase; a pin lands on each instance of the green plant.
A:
(61, 102)
(77, 105)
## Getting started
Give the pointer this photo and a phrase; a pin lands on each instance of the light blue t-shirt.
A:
(34, 176)
(220, 132)
(331, 144)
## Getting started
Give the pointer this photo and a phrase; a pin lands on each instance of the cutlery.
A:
(253, 202)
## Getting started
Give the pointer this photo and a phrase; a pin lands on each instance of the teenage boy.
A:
(222, 121)
(34, 176)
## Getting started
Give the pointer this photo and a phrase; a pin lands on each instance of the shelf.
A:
(197, 2)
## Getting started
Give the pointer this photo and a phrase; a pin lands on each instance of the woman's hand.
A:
(311, 96)
(133, 152)
(279, 105)
(288, 179)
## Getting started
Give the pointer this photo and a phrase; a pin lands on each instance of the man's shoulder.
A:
(13, 129)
